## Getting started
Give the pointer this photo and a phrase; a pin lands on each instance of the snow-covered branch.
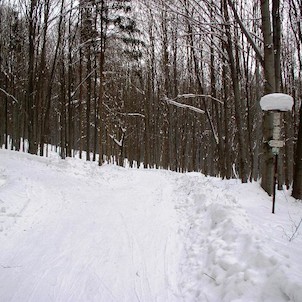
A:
(131, 114)
(177, 104)
(120, 142)
(198, 110)
(188, 96)
(123, 113)
(9, 95)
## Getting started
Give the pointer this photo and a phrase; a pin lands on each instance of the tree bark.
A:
(103, 29)
(267, 169)
(297, 184)
(238, 106)
(31, 108)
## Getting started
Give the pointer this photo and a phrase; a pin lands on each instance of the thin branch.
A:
(209, 276)
(80, 84)
(9, 95)
(190, 95)
(181, 105)
(297, 226)
(119, 143)
(131, 114)
(123, 113)
(246, 33)
(177, 104)
(8, 266)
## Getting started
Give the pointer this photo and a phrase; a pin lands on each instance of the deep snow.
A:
(73, 231)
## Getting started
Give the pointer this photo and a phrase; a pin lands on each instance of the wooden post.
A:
(275, 182)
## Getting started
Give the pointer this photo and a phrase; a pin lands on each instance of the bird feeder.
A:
(276, 103)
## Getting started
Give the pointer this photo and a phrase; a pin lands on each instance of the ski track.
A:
(85, 241)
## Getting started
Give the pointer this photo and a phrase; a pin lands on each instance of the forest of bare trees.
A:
(174, 84)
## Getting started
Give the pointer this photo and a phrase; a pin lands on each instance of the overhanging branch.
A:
(177, 104)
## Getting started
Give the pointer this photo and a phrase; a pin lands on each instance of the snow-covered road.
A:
(71, 231)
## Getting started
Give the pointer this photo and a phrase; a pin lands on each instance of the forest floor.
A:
(71, 231)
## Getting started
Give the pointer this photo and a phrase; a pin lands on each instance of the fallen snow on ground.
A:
(73, 231)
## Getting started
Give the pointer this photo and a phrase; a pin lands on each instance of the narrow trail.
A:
(83, 235)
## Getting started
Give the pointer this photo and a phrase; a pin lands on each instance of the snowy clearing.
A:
(73, 231)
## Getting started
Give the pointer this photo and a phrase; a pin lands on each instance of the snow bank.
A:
(227, 256)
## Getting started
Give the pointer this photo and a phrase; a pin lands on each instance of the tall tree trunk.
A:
(88, 101)
(70, 88)
(100, 123)
(267, 170)
(297, 184)
(45, 128)
(81, 104)
(295, 15)
(276, 42)
(238, 106)
(63, 107)
(30, 112)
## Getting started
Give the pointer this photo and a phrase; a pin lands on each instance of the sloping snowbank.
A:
(235, 249)
(73, 231)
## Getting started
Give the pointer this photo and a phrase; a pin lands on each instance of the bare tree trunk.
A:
(70, 88)
(88, 100)
(63, 107)
(238, 106)
(269, 87)
(81, 104)
(45, 128)
(31, 108)
(276, 42)
(100, 123)
(216, 107)
(295, 15)
(297, 184)
(227, 142)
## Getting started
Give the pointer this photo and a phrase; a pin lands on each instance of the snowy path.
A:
(106, 236)
(71, 231)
